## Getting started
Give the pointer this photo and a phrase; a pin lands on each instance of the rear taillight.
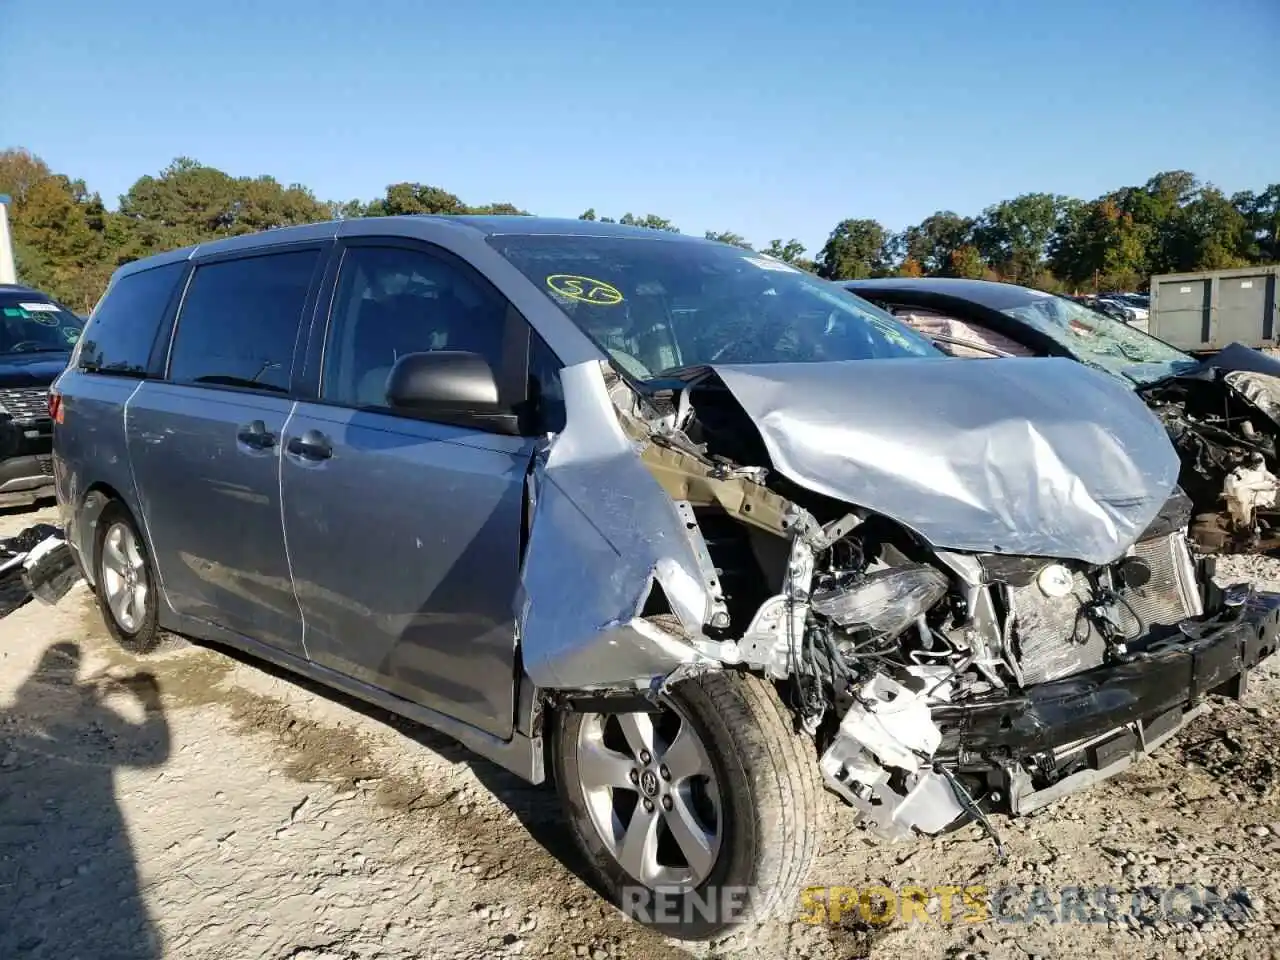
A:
(55, 406)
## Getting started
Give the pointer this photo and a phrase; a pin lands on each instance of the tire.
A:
(765, 822)
(139, 630)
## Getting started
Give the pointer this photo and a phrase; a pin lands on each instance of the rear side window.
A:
(240, 321)
(123, 329)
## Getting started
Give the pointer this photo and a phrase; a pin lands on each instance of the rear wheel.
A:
(125, 581)
(698, 817)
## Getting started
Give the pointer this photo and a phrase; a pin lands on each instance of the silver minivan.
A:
(687, 530)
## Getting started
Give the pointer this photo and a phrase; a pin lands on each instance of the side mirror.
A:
(449, 386)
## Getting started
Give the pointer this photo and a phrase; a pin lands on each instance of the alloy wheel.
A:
(124, 577)
(652, 795)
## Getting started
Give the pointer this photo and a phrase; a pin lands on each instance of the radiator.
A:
(1044, 627)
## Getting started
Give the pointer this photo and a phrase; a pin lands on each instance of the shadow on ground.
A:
(68, 878)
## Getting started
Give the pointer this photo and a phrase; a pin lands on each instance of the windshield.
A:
(1098, 339)
(35, 324)
(658, 305)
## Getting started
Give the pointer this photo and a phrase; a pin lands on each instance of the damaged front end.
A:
(1035, 625)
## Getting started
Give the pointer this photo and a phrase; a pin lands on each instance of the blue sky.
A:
(744, 116)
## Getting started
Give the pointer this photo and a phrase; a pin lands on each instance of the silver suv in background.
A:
(688, 531)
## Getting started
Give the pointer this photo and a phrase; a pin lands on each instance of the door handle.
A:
(256, 436)
(311, 445)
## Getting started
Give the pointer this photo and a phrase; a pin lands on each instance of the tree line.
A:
(67, 242)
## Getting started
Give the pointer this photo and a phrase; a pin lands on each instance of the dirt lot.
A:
(191, 804)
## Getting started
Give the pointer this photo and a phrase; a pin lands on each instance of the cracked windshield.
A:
(1100, 340)
(656, 306)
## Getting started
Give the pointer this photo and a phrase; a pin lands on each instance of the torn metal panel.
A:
(603, 534)
(1039, 457)
(719, 610)
(686, 478)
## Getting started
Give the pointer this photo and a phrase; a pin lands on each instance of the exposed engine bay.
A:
(910, 664)
(1225, 423)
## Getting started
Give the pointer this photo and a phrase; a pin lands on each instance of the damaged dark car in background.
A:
(1222, 413)
(683, 529)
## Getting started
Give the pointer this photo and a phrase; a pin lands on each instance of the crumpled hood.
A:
(1035, 457)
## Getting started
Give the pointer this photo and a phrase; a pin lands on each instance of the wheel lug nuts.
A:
(635, 776)
(664, 772)
(648, 805)
(644, 756)
(666, 803)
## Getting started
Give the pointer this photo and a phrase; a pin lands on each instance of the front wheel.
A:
(698, 817)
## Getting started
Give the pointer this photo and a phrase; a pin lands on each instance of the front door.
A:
(404, 534)
(205, 445)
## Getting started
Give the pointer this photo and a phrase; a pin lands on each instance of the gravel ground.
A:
(193, 804)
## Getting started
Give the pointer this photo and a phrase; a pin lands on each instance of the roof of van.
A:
(477, 226)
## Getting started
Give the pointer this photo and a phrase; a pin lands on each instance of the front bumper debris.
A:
(36, 563)
(1063, 736)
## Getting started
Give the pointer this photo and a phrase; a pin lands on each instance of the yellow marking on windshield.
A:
(586, 289)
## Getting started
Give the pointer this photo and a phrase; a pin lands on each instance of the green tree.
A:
(966, 262)
(932, 242)
(185, 204)
(498, 210)
(68, 242)
(190, 202)
(411, 198)
(855, 249)
(1099, 246)
(58, 248)
(346, 209)
(20, 170)
(1205, 234)
(791, 252)
(1260, 241)
(1013, 235)
(649, 220)
(735, 239)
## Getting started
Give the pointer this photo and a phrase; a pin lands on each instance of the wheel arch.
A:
(89, 512)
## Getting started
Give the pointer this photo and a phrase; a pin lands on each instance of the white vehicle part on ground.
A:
(1032, 457)
(1248, 488)
(888, 727)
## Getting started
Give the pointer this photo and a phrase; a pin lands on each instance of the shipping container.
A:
(1204, 312)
